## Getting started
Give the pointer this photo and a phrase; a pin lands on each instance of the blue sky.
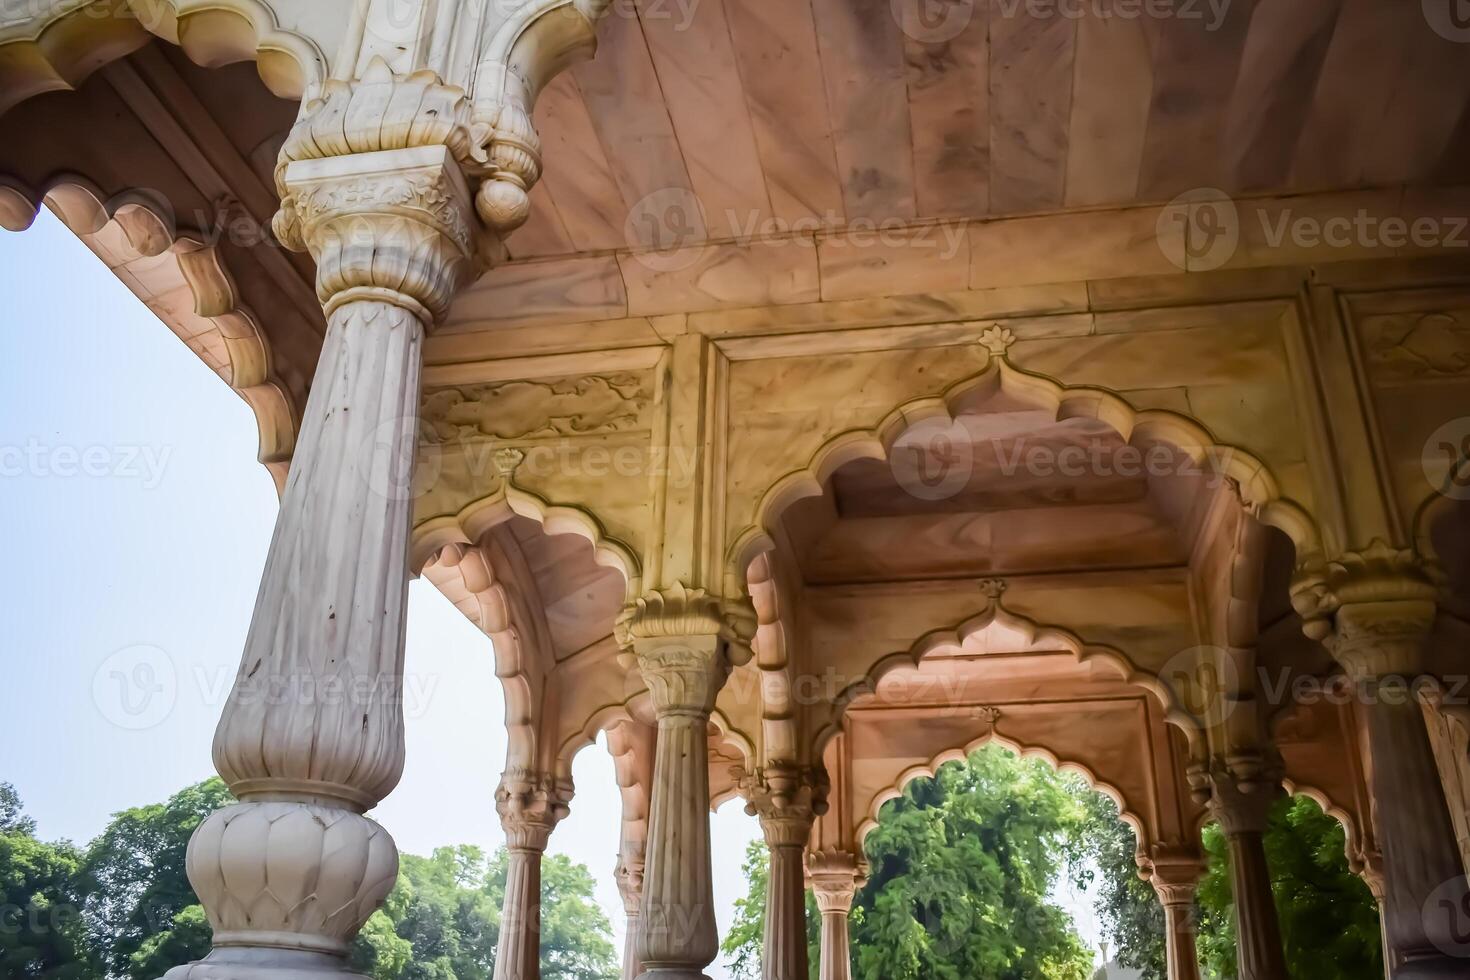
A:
(136, 522)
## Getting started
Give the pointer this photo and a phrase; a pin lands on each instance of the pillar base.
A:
(672, 973)
(264, 964)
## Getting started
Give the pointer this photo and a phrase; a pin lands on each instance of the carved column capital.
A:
(395, 226)
(787, 799)
(1373, 609)
(1175, 877)
(836, 877)
(530, 805)
(685, 642)
(1242, 791)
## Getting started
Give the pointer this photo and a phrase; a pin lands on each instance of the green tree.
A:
(1329, 919)
(41, 934)
(962, 865)
(746, 937)
(1126, 905)
(442, 921)
(135, 891)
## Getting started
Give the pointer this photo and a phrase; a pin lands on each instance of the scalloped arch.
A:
(1352, 845)
(929, 769)
(147, 224)
(1259, 490)
(62, 52)
(471, 522)
(1035, 636)
(613, 715)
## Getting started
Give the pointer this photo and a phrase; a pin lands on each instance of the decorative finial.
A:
(988, 714)
(506, 461)
(997, 339)
(993, 588)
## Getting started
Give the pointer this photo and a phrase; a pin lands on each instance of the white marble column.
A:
(312, 734)
(1381, 646)
(683, 642)
(836, 877)
(1176, 883)
(787, 799)
(629, 876)
(1242, 806)
(530, 806)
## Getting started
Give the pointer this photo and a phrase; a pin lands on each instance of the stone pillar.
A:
(530, 806)
(1175, 883)
(1242, 805)
(312, 735)
(787, 799)
(685, 644)
(629, 875)
(836, 877)
(1381, 646)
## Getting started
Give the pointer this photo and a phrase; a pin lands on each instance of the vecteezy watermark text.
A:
(34, 458)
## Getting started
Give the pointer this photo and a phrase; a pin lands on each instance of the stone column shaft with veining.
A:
(1242, 806)
(312, 733)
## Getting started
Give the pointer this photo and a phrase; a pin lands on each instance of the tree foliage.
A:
(1127, 908)
(1329, 919)
(962, 866)
(124, 909)
(41, 933)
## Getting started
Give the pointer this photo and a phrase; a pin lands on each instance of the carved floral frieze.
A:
(594, 405)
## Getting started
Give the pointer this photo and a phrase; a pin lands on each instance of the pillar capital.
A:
(836, 877)
(530, 805)
(685, 642)
(1242, 791)
(1373, 609)
(1176, 878)
(787, 799)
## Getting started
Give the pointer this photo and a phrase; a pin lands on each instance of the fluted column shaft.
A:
(518, 957)
(1242, 806)
(677, 936)
(530, 805)
(787, 798)
(836, 877)
(312, 734)
(1381, 645)
(1176, 884)
(1421, 863)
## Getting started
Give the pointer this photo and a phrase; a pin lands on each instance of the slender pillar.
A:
(1242, 808)
(1425, 900)
(1176, 883)
(530, 806)
(312, 735)
(836, 877)
(683, 641)
(629, 875)
(787, 799)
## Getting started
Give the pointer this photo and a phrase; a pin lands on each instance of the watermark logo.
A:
(1446, 459)
(1447, 918)
(933, 21)
(136, 688)
(1200, 681)
(1199, 230)
(397, 469)
(669, 222)
(1450, 19)
(933, 459)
